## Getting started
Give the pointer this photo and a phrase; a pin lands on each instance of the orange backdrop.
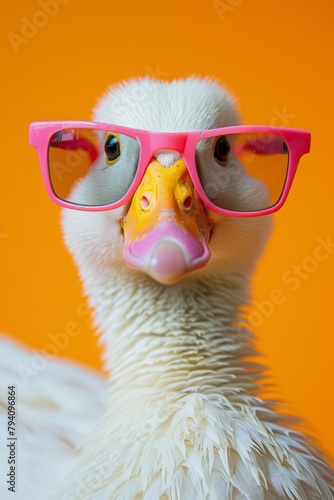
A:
(58, 56)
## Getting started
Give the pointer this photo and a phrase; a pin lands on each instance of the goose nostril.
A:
(188, 203)
(145, 202)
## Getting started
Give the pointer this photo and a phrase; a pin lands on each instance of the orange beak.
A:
(166, 229)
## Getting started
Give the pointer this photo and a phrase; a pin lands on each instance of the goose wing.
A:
(57, 404)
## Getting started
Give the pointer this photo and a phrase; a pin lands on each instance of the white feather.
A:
(56, 406)
(182, 419)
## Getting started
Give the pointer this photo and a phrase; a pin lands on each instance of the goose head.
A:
(165, 233)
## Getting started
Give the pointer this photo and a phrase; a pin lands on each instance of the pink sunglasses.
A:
(116, 158)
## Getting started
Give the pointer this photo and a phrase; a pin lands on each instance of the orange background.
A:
(276, 58)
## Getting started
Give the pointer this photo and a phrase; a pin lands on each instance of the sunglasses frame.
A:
(298, 142)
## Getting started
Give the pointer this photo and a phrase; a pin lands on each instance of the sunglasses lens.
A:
(91, 167)
(243, 172)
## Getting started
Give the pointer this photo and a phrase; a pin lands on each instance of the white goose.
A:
(182, 418)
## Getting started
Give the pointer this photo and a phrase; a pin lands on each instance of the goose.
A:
(169, 280)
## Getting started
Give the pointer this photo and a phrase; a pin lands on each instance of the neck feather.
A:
(189, 337)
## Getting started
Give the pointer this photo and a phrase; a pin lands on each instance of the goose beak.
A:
(166, 229)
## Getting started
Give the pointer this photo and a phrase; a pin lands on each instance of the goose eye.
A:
(112, 148)
(221, 150)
